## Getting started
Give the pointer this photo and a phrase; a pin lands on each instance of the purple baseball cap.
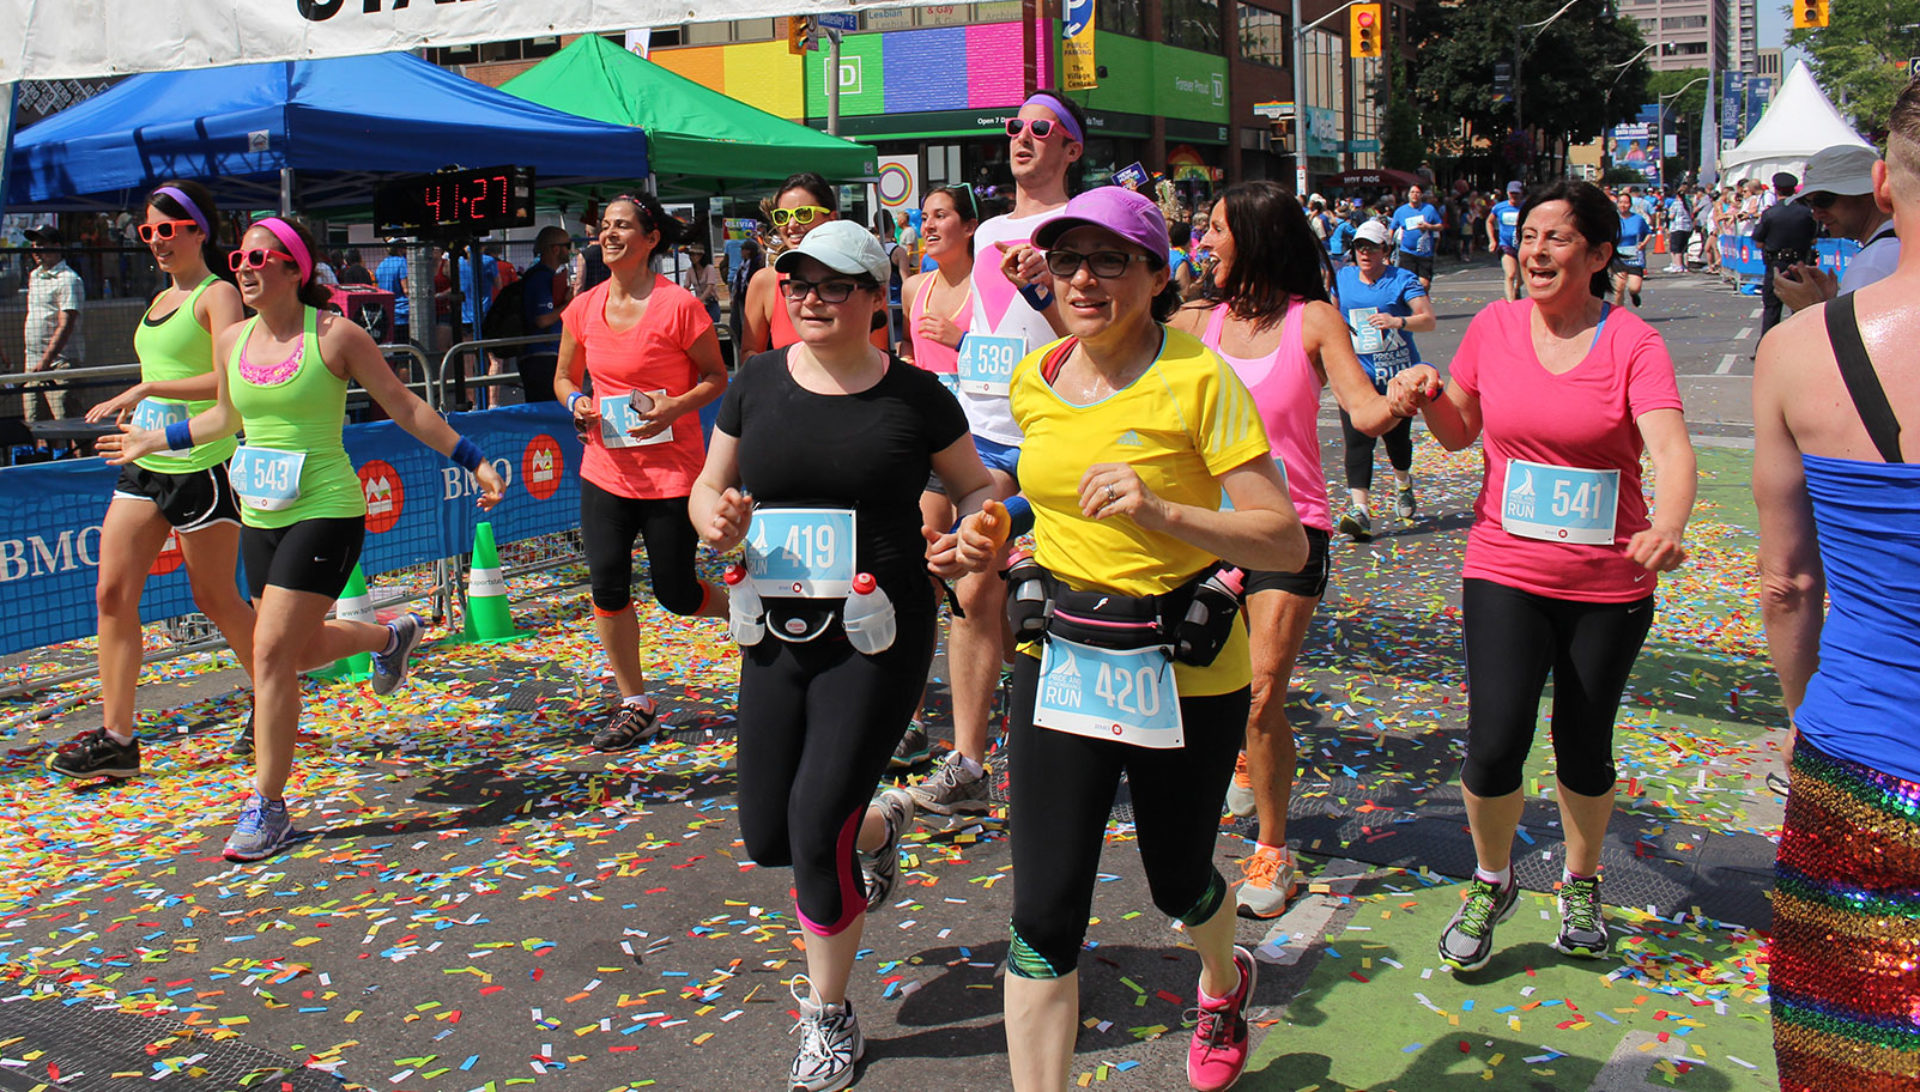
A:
(1130, 215)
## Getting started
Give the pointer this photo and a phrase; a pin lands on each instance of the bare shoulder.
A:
(1192, 316)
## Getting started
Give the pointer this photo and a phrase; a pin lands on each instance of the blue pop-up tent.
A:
(339, 124)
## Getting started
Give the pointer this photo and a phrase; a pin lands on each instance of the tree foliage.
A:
(1578, 76)
(1860, 57)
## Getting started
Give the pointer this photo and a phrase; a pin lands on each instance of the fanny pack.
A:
(1039, 603)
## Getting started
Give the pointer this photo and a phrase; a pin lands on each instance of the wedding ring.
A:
(1110, 497)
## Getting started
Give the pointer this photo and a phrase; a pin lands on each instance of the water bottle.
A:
(1209, 621)
(746, 616)
(868, 616)
(1026, 595)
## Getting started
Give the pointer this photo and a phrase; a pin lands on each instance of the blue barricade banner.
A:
(537, 452)
(1742, 255)
(50, 517)
(420, 508)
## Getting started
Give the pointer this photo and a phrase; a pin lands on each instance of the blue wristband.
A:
(574, 397)
(180, 436)
(1037, 297)
(467, 454)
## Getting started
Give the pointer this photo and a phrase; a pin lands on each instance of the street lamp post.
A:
(1519, 66)
(1660, 123)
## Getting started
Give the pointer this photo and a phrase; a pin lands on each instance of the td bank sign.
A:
(1210, 87)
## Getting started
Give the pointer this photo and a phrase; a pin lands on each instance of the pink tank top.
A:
(1286, 390)
(928, 354)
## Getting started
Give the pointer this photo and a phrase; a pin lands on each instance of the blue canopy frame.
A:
(340, 124)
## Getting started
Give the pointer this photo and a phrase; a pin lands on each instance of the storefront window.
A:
(1126, 17)
(1263, 36)
(1193, 24)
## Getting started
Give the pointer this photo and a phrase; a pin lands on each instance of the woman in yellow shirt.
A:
(1132, 433)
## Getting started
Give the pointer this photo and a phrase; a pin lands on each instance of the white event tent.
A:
(1800, 122)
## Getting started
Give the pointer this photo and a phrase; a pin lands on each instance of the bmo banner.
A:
(420, 508)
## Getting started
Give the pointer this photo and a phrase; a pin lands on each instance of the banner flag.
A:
(1076, 45)
(65, 39)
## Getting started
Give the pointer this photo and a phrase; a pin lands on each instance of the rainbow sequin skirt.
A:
(1845, 971)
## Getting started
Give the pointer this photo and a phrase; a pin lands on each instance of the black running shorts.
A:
(189, 502)
(314, 555)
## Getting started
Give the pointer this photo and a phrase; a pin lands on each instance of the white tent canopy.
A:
(1800, 122)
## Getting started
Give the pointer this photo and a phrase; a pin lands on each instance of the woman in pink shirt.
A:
(1564, 392)
(654, 360)
(1285, 341)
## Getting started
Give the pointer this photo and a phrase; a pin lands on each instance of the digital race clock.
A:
(454, 203)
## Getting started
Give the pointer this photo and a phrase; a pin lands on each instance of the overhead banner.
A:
(70, 39)
(1076, 45)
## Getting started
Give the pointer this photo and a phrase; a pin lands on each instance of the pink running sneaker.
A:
(1218, 1053)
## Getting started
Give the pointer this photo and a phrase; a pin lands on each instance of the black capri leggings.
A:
(1063, 790)
(1359, 450)
(1514, 640)
(609, 524)
(818, 722)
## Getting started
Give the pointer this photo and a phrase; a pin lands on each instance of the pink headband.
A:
(185, 202)
(290, 239)
(1053, 103)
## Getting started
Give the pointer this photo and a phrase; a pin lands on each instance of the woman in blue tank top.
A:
(1840, 521)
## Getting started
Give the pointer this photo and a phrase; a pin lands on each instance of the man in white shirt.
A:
(1846, 190)
(54, 338)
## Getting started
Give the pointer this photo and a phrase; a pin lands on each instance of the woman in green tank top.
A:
(283, 378)
(176, 504)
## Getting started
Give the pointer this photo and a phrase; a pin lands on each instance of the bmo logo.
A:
(386, 495)
(170, 557)
(542, 466)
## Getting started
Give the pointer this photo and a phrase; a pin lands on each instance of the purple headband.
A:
(186, 202)
(290, 238)
(1059, 108)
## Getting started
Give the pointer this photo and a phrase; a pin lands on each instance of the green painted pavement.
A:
(1380, 1011)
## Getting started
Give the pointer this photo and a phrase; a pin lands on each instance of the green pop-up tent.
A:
(698, 140)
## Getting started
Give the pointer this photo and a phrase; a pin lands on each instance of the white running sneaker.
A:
(1271, 876)
(830, 1042)
(1240, 802)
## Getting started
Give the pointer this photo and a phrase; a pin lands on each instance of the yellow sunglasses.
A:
(804, 215)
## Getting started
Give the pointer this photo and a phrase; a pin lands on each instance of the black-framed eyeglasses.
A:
(1821, 200)
(1106, 264)
(828, 291)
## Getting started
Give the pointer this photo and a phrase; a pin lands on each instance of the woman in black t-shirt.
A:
(828, 437)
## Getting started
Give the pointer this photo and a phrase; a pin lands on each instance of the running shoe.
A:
(1240, 802)
(914, 748)
(1404, 505)
(881, 868)
(950, 788)
(1218, 1053)
(1467, 944)
(261, 831)
(390, 668)
(1583, 920)
(1357, 524)
(1635, 296)
(630, 726)
(830, 1042)
(1271, 876)
(242, 743)
(96, 754)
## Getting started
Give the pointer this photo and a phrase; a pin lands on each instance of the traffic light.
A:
(1363, 28)
(1809, 13)
(800, 34)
